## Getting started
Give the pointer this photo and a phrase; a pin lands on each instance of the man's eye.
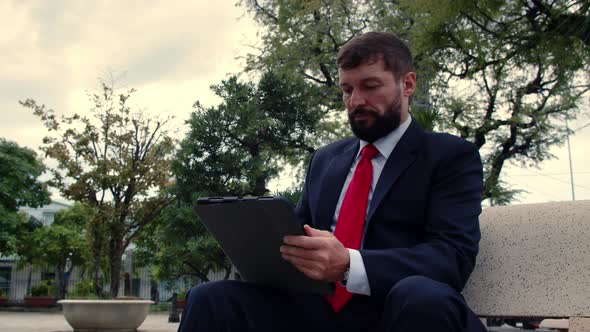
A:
(371, 86)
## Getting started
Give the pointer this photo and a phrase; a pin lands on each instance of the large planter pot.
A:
(105, 315)
(180, 304)
(39, 301)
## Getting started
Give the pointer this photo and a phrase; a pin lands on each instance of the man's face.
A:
(375, 101)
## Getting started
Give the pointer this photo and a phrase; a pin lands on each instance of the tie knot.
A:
(369, 151)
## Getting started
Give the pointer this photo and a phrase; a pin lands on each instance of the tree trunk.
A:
(97, 286)
(57, 277)
(60, 282)
(115, 261)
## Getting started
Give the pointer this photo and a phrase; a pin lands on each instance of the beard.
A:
(381, 125)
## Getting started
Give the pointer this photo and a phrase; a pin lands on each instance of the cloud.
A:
(170, 51)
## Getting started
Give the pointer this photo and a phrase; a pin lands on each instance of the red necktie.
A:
(351, 219)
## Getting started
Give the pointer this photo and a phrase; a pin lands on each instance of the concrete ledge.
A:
(533, 261)
(579, 324)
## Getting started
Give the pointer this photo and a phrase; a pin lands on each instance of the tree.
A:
(19, 185)
(60, 246)
(524, 64)
(177, 246)
(115, 161)
(234, 149)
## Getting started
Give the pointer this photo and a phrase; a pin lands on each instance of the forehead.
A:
(365, 71)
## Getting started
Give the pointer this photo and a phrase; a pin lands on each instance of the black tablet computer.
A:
(250, 231)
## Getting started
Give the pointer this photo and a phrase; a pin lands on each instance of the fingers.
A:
(303, 241)
(313, 240)
(310, 231)
(310, 268)
(304, 253)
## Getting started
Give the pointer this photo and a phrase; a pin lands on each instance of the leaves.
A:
(117, 161)
(19, 170)
(501, 74)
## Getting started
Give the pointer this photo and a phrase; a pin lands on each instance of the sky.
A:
(171, 52)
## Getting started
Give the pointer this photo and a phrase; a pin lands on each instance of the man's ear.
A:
(408, 83)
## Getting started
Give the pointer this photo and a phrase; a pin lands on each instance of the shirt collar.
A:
(387, 143)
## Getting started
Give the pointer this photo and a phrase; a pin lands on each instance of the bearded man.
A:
(391, 218)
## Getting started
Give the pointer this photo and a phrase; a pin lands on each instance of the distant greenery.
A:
(42, 289)
(83, 289)
(20, 169)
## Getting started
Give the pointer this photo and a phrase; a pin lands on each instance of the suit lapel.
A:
(332, 184)
(399, 160)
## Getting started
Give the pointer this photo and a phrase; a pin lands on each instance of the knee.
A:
(420, 293)
(208, 292)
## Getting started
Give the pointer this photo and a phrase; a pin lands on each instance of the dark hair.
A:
(372, 46)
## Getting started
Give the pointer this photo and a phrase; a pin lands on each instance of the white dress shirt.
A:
(358, 282)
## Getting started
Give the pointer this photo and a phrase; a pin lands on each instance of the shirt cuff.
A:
(358, 282)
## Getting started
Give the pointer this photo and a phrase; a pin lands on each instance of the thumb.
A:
(310, 231)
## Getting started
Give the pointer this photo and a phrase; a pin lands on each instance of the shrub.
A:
(181, 295)
(84, 288)
(44, 288)
(2, 293)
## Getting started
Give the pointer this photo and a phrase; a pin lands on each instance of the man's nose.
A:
(357, 99)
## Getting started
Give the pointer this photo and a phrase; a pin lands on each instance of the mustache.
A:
(361, 110)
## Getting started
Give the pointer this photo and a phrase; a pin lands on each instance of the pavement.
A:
(55, 322)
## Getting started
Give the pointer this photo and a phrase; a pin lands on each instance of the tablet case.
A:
(250, 231)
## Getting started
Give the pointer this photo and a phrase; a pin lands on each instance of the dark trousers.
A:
(414, 304)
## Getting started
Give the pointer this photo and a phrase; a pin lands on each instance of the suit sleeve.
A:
(302, 210)
(452, 228)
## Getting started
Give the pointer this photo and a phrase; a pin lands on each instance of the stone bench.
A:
(534, 261)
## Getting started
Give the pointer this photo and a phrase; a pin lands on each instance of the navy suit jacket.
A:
(423, 218)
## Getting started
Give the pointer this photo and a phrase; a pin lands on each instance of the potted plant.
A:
(3, 297)
(180, 300)
(41, 295)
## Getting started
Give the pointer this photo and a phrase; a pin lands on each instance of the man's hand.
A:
(319, 255)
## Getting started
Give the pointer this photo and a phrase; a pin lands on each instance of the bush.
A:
(181, 295)
(44, 288)
(2, 293)
(84, 288)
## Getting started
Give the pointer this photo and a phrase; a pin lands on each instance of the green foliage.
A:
(501, 74)
(57, 244)
(2, 293)
(42, 289)
(11, 229)
(19, 170)
(236, 147)
(76, 217)
(181, 295)
(178, 246)
(292, 195)
(115, 161)
(509, 73)
(84, 289)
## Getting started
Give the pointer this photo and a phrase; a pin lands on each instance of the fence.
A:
(15, 282)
